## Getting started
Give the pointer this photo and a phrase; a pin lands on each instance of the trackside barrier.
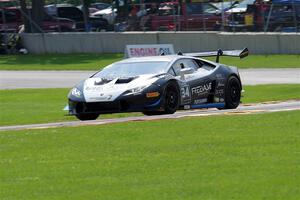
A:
(111, 42)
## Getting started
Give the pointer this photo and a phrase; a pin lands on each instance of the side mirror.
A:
(187, 70)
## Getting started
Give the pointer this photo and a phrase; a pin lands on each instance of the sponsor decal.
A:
(200, 101)
(221, 84)
(220, 76)
(152, 94)
(75, 92)
(186, 107)
(148, 50)
(93, 89)
(219, 92)
(185, 94)
(185, 91)
(101, 97)
(217, 99)
(202, 89)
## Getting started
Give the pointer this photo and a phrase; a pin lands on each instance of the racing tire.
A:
(87, 116)
(171, 98)
(232, 93)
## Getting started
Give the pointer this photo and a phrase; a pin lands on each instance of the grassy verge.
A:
(58, 61)
(97, 61)
(263, 61)
(263, 93)
(27, 106)
(232, 157)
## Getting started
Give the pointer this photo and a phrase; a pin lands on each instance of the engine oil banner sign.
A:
(148, 50)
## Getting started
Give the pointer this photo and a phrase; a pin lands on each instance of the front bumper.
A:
(129, 103)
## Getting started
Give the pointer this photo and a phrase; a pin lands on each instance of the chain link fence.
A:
(145, 15)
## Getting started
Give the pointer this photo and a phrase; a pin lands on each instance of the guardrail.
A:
(111, 42)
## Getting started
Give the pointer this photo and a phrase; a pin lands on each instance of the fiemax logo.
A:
(201, 89)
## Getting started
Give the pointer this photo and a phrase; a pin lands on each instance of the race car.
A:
(159, 85)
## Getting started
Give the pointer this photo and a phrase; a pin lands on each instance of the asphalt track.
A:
(243, 109)
(67, 79)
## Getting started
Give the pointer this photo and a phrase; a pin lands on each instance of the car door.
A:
(198, 86)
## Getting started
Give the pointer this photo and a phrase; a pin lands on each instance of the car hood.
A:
(99, 89)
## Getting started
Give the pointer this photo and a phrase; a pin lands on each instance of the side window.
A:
(177, 66)
(11, 16)
(184, 63)
(194, 9)
(71, 13)
(190, 63)
(171, 71)
(205, 65)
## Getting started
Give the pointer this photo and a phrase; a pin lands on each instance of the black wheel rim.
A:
(235, 92)
(172, 99)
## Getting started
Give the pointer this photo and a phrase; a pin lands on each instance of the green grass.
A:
(233, 157)
(58, 61)
(27, 106)
(263, 93)
(263, 61)
(98, 61)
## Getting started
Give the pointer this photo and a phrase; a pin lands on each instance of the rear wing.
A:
(233, 53)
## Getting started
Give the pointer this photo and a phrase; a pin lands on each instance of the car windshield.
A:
(132, 69)
(244, 3)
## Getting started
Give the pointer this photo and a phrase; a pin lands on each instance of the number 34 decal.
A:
(185, 92)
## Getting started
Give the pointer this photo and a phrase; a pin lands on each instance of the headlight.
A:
(137, 89)
(75, 92)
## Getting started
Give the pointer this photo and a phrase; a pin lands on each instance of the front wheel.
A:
(87, 116)
(171, 98)
(171, 101)
(232, 93)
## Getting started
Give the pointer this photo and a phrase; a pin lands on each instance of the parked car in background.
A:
(91, 10)
(227, 5)
(13, 20)
(100, 6)
(259, 15)
(241, 17)
(74, 13)
(109, 14)
(187, 16)
(7, 3)
(283, 15)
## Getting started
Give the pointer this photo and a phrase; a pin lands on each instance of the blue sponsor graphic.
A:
(209, 105)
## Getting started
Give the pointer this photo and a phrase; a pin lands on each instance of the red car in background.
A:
(11, 21)
(186, 17)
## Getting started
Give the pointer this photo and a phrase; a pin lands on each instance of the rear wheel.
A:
(232, 93)
(87, 116)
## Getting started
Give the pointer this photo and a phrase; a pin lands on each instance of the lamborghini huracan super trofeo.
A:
(158, 85)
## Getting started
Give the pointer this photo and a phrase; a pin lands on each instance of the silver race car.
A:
(159, 85)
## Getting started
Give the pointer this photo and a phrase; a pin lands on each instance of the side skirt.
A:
(209, 105)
